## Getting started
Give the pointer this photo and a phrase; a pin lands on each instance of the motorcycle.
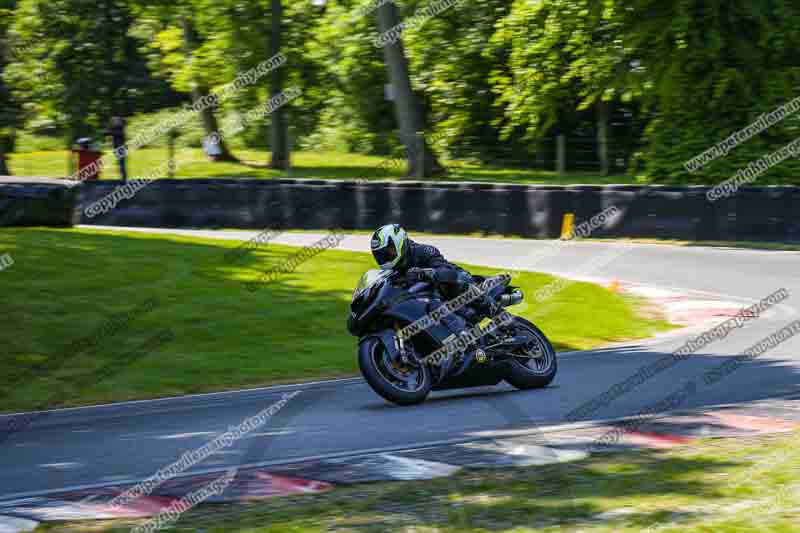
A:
(404, 352)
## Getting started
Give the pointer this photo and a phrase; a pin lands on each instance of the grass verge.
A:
(719, 486)
(306, 164)
(68, 285)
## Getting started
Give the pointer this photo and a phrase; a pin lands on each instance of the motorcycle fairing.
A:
(409, 311)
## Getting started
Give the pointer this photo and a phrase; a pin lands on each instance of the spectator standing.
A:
(211, 147)
(116, 130)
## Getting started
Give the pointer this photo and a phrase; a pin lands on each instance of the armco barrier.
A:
(658, 213)
(789, 207)
(759, 213)
(37, 202)
(754, 213)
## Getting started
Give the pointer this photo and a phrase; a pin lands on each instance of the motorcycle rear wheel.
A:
(400, 384)
(533, 373)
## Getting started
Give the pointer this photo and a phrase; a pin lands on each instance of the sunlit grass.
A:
(305, 164)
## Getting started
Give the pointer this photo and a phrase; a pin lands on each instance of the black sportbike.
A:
(404, 369)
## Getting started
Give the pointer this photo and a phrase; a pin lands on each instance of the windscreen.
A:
(370, 278)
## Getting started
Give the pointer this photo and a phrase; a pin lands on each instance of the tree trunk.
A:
(200, 91)
(4, 171)
(602, 137)
(278, 127)
(108, 57)
(421, 160)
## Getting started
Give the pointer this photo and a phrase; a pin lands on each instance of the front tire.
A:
(397, 384)
(526, 373)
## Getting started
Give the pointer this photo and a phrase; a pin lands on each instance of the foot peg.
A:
(507, 300)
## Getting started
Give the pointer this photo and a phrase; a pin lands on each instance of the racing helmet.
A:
(389, 246)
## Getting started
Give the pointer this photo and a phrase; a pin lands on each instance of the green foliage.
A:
(356, 115)
(452, 65)
(699, 70)
(560, 58)
(733, 62)
(10, 116)
(494, 77)
(76, 70)
(232, 37)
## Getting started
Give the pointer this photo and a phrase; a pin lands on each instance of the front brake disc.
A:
(394, 368)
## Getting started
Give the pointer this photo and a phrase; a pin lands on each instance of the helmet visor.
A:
(384, 256)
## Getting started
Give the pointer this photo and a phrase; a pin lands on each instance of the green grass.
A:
(65, 284)
(713, 486)
(306, 164)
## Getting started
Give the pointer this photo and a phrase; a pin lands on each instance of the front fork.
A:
(406, 357)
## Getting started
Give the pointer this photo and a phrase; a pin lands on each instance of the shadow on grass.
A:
(66, 284)
(565, 493)
(583, 493)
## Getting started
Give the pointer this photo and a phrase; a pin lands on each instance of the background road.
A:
(130, 441)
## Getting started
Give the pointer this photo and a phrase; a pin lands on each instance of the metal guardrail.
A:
(755, 213)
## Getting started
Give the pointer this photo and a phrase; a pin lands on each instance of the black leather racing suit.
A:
(451, 279)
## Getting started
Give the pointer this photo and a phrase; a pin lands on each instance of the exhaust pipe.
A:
(507, 300)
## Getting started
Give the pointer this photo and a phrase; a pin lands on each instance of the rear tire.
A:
(372, 361)
(533, 373)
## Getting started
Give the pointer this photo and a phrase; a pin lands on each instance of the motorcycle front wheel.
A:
(398, 383)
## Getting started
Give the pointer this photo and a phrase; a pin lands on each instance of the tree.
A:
(347, 91)
(421, 160)
(279, 144)
(230, 39)
(10, 117)
(452, 63)
(697, 70)
(200, 90)
(73, 72)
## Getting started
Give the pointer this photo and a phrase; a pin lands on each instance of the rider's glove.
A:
(420, 274)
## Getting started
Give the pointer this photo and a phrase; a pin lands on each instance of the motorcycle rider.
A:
(394, 250)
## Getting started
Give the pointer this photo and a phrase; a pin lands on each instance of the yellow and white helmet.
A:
(389, 246)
